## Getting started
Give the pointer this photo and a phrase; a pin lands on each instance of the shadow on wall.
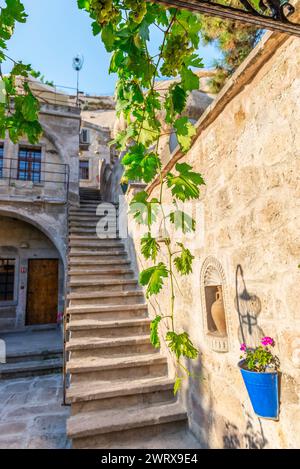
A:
(248, 306)
(250, 439)
(212, 429)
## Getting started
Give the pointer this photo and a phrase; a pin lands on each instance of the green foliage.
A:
(184, 262)
(185, 185)
(154, 336)
(150, 247)
(144, 212)
(183, 221)
(234, 39)
(181, 345)
(141, 165)
(177, 385)
(260, 359)
(38, 75)
(185, 131)
(153, 278)
(19, 111)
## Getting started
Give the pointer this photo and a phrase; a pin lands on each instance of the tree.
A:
(233, 38)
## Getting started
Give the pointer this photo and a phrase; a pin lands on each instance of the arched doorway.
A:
(31, 275)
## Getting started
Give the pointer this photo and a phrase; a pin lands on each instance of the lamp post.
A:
(77, 66)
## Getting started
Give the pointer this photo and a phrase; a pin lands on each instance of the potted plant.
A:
(259, 367)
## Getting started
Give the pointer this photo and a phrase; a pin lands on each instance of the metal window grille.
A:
(7, 279)
(84, 169)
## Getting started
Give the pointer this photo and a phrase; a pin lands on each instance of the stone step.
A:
(96, 250)
(101, 263)
(110, 328)
(167, 438)
(23, 369)
(50, 353)
(106, 253)
(106, 298)
(95, 258)
(88, 223)
(102, 428)
(109, 346)
(86, 209)
(111, 312)
(103, 284)
(103, 394)
(114, 368)
(83, 274)
(113, 234)
(94, 237)
(90, 215)
(88, 246)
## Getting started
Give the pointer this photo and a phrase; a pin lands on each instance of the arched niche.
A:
(214, 304)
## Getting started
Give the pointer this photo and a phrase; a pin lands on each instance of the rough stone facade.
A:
(248, 150)
(96, 153)
(34, 211)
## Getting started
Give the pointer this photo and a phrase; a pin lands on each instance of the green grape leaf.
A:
(181, 345)
(194, 61)
(153, 278)
(139, 164)
(182, 221)
(184, 262)
(83, 4)
(150, 247)
(108, 37)
(177, 385)
(189, 80)
(30, 108)
(154, 336)
(185, 131)
(144, 212)
(185, 185)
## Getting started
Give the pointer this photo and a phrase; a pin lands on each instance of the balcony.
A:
(33, 179)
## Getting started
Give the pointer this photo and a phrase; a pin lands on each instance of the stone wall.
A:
(97, 153)
(248, 149)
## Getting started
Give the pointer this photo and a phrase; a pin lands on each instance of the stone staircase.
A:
(120, 393)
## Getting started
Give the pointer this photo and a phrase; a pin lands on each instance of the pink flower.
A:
(265, 341)
(243, 347)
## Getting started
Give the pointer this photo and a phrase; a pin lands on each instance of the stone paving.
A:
(32, 415)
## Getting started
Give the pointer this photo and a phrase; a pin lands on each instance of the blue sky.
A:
(55, 32)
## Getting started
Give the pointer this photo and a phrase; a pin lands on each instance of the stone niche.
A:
(214, 305)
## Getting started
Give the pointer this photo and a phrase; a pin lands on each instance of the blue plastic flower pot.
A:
(263, 392)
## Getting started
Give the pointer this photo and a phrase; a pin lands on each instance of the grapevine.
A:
(125, 30)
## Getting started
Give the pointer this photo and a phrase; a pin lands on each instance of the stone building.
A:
(36, 184)
(246, 246)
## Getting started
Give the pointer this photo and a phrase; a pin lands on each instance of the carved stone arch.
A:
(47, 230)
(213, 282)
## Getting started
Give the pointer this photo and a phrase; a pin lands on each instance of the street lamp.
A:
(77, 66)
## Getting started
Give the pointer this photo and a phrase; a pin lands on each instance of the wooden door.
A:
(42, 291)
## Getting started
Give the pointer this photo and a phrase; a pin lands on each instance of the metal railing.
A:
(37, 172)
